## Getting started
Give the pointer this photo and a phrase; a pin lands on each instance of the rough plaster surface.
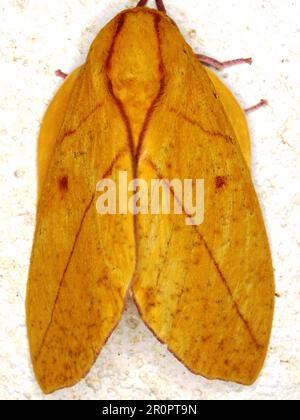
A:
(37, 37)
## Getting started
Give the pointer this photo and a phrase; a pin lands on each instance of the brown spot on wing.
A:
(220, 182)
(64, 183)
(217, 267)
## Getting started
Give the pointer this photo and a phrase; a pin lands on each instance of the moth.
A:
(143, 103)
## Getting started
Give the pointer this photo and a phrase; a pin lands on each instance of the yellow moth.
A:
(143, 103)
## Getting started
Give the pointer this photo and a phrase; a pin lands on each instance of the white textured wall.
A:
(39, 36)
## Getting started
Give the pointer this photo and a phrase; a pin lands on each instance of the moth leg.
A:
(260, 104)
(219, 65)
(60, 73)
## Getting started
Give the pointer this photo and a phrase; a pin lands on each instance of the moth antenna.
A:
(159, 3)
(142, 3)
(160, 6)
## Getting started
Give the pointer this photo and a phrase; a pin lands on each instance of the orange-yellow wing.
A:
(81, 262)
(235, 114)
(51, 126)
(206, 291)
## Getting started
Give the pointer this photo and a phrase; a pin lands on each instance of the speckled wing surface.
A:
(206, 291)
(142, 103)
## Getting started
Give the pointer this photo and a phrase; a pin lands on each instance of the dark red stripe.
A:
(158, 97)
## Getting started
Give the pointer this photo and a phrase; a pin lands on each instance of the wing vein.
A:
(83, 121)
(216, 265)
(64, 273)
(227, 138)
